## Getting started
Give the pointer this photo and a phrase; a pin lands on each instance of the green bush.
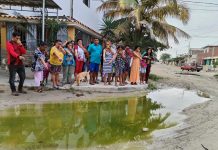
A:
(152, 86)
(154, 77)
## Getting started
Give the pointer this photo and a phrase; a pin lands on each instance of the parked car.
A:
(192, 67)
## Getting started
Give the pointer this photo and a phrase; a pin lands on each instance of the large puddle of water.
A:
(92, 124)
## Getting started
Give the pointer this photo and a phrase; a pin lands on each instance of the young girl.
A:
(143, 68)
(46, 71)
(119, 58)
(135, 68)
(107, 66)
(128, 57)
(40, 65)
(148, 56)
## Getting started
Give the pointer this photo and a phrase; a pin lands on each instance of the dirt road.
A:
(202, 118)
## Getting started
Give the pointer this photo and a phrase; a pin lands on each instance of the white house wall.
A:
(87, 15)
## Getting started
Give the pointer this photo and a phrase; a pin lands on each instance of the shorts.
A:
(143, 70)
(94, 67)
(55, 69)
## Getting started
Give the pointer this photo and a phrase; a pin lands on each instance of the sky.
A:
(202, 27)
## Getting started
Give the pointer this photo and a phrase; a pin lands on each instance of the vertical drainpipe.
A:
(43, 20)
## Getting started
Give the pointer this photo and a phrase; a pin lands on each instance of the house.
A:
(208, 55)
(193, 54)
(30, 20)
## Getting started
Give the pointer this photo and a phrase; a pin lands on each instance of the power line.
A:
(197, 2)
(197, 36)
(201, 5)
(204, 9)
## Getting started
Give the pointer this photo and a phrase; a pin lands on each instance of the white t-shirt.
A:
(81, 54)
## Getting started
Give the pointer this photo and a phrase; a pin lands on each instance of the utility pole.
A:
(212, 62)
(43, 20)
(71, 8)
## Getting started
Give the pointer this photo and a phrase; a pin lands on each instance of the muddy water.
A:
(92, 124)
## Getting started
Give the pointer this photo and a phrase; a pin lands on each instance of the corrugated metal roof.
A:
(31, 3)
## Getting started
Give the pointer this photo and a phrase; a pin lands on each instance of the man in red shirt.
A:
(15, 51)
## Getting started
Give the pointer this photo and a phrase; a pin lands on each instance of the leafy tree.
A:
(165, 57)
(123, 31)
(108, 27)
(149, 16)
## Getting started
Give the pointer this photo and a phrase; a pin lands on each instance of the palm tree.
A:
(135, 37)
(123, 31)
(150, 15)
(107, 29)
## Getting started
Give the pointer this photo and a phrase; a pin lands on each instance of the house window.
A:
(87, 2)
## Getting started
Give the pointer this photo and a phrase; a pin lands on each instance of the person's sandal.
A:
(39, 90)
(22, 92)
(15, 94)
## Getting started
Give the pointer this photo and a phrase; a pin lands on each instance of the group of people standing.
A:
(71, 59)
(124, 64)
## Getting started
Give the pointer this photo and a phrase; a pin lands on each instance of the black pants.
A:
(148, 70)
(20, 70)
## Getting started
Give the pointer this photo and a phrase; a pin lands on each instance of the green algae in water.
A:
(79, 124)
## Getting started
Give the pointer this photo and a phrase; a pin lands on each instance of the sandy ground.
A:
(56, 96)
(202, 119)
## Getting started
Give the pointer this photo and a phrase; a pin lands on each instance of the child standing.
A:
(119, 58)
(40, 65)
(143, 68)
(46, 71)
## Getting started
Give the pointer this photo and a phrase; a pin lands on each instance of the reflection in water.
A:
(79, 124)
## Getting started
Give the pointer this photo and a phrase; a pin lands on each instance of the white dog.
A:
(4, 64)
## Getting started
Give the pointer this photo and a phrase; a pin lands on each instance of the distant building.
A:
(193, 54)
(208, 55)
